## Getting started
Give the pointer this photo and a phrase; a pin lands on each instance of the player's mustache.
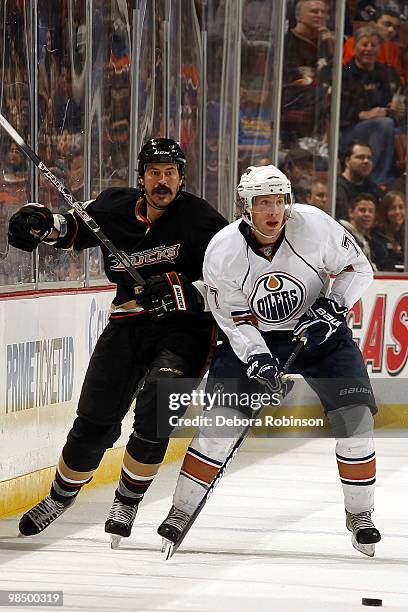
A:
(161, 189)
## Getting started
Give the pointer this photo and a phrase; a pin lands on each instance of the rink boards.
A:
(47, 341)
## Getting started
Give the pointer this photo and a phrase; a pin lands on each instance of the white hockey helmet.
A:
(263, 180)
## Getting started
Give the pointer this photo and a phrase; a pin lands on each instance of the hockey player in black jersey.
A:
(160, 333)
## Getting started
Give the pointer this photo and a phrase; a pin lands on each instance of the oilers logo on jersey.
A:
(277, 297)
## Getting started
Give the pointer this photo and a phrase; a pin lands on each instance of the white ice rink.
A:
(271, 538)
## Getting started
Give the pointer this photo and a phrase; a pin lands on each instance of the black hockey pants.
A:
(126, 351)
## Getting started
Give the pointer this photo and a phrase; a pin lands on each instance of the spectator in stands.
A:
(255, 130)
(355, 178)
(317, 195)
(306, 74)
(67, 112)
(15, 81)
(349, 17)
(371, 104)
(15, 168)
(211, 157)
(76, 174)
(390, 52)
(362, 214)
(14, 116)
(298, 166)
(390, 228)
(47, 79)
(367, 9)
(63, 141)
(399, 184)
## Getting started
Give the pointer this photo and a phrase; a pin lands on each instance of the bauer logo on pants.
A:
(277, 297)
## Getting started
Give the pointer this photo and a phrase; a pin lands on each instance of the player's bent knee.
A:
(94, 436)
(355, 420)
(146, 450)
(216, 437)
(168, 365)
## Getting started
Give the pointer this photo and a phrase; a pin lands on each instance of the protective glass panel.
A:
(175, 75)
(110, 104)
(257, 58)
(16, 267)
(190, 94)
(150, 86)
(222, 21)
(213, 22)
(61, 95)
(305, 113)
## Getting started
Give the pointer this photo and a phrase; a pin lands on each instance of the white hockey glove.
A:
(321, 320)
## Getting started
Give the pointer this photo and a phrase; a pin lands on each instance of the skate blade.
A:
(115, 541)
(167, 548)
(366, 549)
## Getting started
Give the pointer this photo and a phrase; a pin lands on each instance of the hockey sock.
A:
(355, 454)
(204, 458)
(197, 473)
(357, 470)
(135, 479)
(141, 463)
(67, 483)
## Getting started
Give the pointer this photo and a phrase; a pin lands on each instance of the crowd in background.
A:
(372, 157)
(60, 120)
(371, 183)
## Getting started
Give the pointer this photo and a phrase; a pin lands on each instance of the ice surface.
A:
(271, 538)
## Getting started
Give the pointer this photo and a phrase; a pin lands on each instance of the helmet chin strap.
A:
(257, 231)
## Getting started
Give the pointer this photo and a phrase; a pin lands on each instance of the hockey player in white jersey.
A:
(268, 279)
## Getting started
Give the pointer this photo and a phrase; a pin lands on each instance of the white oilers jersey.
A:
(248, 293)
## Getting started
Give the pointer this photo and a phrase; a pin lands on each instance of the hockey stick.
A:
(122, 257)
(174, 546)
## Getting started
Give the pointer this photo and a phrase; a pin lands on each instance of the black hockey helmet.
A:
(161, 150)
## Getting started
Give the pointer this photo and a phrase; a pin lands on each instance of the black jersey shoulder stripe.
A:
(304, 260)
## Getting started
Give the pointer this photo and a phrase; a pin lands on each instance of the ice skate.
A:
(171, 529)
(43, 514)
(120, 521)
(364, 533)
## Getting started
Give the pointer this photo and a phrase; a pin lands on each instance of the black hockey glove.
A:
(265, 368)
(28, 226)
(168, 294)
(321, 320)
